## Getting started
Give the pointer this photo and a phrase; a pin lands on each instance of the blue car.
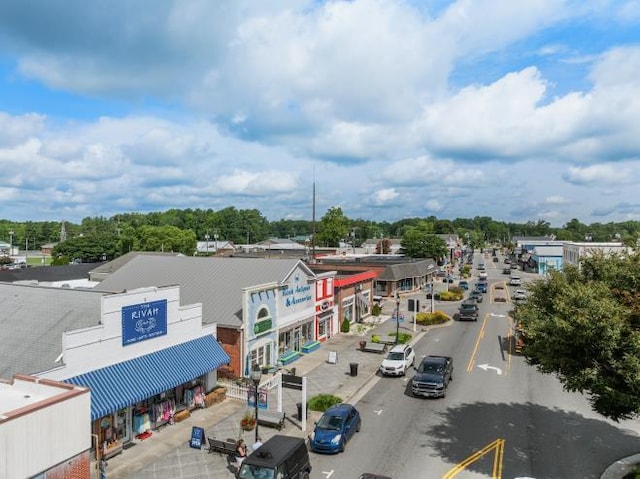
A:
(337, 425)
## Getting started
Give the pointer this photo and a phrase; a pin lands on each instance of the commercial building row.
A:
(152, 337)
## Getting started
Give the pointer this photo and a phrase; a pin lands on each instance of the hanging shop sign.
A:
(144, 321)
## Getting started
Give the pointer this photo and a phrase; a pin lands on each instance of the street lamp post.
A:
(256, 373)
(206, 239)
(10, 243)
(215, 238)
(397, 316)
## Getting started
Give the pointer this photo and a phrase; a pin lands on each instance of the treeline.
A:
(179, 230)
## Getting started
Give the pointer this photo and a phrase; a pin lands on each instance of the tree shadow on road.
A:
(541, 441)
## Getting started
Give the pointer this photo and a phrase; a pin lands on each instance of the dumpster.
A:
(353, 368)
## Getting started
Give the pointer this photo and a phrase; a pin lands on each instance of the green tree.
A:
(166, 238)
(420, 242)
(89, 248)
(583, 325)
(333, 228)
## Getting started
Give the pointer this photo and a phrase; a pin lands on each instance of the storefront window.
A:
(307, 332)
(347, 309)
(261, 356)
(285, 342)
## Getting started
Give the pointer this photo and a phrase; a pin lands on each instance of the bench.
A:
(310, 346)
(223, 447)
(271, 419)
(289, 357)
(371, 347)
(387, 339)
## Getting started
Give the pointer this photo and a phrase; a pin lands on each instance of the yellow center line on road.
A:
(472, 360)
(497, 445)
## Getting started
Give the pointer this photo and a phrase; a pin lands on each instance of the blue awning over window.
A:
(120, 385)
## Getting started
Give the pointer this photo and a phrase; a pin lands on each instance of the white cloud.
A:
(385, 195)
(434, 205)
(605, 174)
(556, 200)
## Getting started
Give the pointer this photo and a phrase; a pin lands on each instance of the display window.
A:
(262, 355)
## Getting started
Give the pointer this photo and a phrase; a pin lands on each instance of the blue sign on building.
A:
(144, 321)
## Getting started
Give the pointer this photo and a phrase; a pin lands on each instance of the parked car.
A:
(520, 296)
(507, 260)
(400, 358)
(481, 267)
(498, 285)
(464, 284)
(432, 376)
(335, 428)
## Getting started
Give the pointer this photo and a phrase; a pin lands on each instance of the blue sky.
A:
(522, 111)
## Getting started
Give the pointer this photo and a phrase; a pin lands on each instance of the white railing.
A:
(240, 390)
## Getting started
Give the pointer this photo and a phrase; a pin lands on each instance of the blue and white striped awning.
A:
(120, 385)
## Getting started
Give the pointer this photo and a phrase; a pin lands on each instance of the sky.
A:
(521, 111)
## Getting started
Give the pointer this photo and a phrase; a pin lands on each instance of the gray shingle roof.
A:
(215, 282)
(396, 272)
(32, 320)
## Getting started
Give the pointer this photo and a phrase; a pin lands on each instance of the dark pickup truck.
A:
(432, 376)
(468, 311)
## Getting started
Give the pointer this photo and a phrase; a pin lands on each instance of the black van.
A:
(280, 457)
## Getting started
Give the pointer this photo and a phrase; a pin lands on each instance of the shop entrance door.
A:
(123, 424)
(296, 339)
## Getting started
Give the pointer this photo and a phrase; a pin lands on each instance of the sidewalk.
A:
(166, 454)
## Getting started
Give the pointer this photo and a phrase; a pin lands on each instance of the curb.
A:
(620, 468)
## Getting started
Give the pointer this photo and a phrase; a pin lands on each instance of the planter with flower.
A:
(248, 421)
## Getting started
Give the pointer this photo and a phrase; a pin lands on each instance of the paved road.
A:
(527, 425)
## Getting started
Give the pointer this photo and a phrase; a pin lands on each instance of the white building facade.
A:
(148, 359)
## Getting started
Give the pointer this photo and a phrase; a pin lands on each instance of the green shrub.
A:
(376, 310)
(456, 290)
(402, 337)
(427, 319)
(322, 402)
(451, 295)
(345, 327)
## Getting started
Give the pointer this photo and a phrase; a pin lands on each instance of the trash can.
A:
(299, 406)
(353, 367)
